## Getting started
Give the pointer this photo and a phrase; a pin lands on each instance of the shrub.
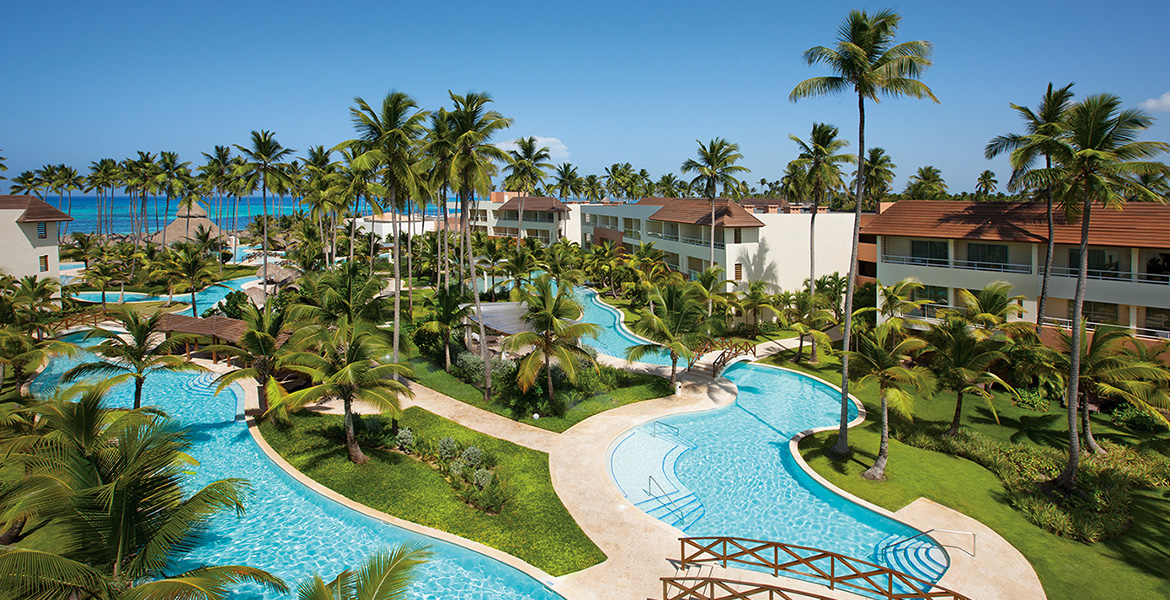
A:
(469, 367)
(456, 469)
(483, 478)
(447, 448)
(1135, 418)
(472, 456)
(1033, 399)
(405, 439)
(370, 429)
(429, 343)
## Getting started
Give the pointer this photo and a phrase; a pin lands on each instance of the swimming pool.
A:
(204, 299)
(288, 529)
(614, 338)
(730, 472)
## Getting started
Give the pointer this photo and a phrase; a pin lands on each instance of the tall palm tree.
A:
(555, 334)
(985, 185)
(867, 61)
(193, 271)
(346, 365)
(265, 350)
(1043, 126)
(449, 312)
(1096, 160)
(961, 357)
(713, 167)
(99, 276)
(677, 325)
(567, 183)
(526, 168)
(263, 162)
(472, 168)
(927, 184)
(389, 142)
(134, 354)
(820, 158)
(882, 357)
(879, 175)
(593, 188)
(385, 576)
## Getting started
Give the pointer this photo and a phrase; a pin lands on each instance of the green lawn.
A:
(533, 525)
(1133, 565)
(642, 387)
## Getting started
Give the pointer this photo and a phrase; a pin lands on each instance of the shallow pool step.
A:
(682, 511)
(203, 385)
(921, 557)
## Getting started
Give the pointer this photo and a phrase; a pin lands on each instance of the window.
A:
(44, 262)
(738, 235)
(1158, 268)
(987, 254)
(1102, 263)
(933, 294)
(1158, 318)
(1101, 312)
(929, 252)
(738, 270)
(42, 230)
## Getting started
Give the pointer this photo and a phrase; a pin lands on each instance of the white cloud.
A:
(557, 151)
(1160, 104)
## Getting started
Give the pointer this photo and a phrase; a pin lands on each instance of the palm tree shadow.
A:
(822, 446)
(1146, 546)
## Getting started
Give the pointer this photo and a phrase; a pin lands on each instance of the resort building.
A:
(758, 239)
(950, 246)
(28, 237)
(545, 218)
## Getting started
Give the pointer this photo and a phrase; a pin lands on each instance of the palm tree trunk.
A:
(799, 350)
(409, 265)
(812, 266)
(397, 276)
(447, 351)
(12, 534)
(138, 381)
(262, 396)
(673, 366)
(548, 376)
(167, 213)
(1049, 250)
(957, 419)
(878, 470)
(483, 349)
(194, 308)
(841, 448)
(351, 446)
(264, 187)
(520, 220)
(1087, 426)
(1068, 476)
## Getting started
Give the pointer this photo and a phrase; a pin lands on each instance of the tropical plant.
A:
(985, 185)
(961, 357)
(263, 162)
(882, 357)
(265, 351)
(866, 61)
(879, 175)
(820, 161)
(135, 354)
(677, 325)
(713, 167)
(755, 299)
(385, 576)
(927, 184)
(193, 271)
(450, 311)
(526, 169)
(807, 316)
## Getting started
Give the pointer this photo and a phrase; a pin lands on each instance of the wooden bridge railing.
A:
(712, 588)
(838, 570)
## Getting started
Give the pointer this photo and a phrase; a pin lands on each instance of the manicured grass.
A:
(533, 525)
(642, 387)
(1133, 565)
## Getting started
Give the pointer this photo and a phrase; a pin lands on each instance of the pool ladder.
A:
(675, 507)
(671, 433)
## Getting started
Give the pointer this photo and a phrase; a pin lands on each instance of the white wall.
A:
(384, 227)
(20, 249)
(781, 256)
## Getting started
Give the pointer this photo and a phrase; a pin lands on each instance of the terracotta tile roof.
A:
(1140, 224)
(35, 209)
(655, 201)
(535, 204)
(752, 202)
(697, 211)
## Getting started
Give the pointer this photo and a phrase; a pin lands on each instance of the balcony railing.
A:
(662, 236)
(1139, 331)
(632, 234)
(970, 265)
(701, 242)
(931, 311)
(1114, 275)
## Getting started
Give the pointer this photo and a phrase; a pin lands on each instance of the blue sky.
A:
(610, 81)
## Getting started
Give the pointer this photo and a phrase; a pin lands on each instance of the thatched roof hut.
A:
(278, 274)
(188, 221)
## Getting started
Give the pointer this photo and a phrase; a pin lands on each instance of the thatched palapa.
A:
(188, 221)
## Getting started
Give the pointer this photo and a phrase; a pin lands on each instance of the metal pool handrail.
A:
(836, 569)
(674, 509)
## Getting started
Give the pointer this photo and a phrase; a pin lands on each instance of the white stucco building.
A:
(754, 240)
(28, 237)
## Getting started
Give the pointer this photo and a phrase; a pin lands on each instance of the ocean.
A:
(85, 217)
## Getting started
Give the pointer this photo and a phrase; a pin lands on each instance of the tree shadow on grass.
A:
(821, 446)
(1146, 546)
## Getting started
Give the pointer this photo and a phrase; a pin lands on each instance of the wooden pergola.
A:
(216, 327)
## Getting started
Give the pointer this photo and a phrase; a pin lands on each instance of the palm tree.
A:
(24, 354)
(927, 184)
(526, 168)
(879, 175)
(193, 271)
(961, 357)
(882, 356)
(449, 312)
(1042, 126)
(99, 276)
(807, 316)
(677, 325)
(385, 576)
(567, 183)
(866, 61)
(985, 186)
(264, 350)
(345, 292)
(346, 366)
(263, 161)
(820, 160)
(472, 168)
(593, 188)
(715, 166)
(554, 334)
(388, 139)
(134, 354)
(755, 299)
(1096, 160)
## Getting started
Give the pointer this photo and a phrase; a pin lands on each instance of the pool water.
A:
(730, 472)
(614, 338)
(288, 529)
(204, 299)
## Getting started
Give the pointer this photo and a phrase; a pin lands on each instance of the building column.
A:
(950, 252)
(1133, 321)
(1134, 257)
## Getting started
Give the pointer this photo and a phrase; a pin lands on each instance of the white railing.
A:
(1138, 331)
(1113, 275)
(970, 265)
(662, 236)
(931, 311)
(632, 234)
(700, 242)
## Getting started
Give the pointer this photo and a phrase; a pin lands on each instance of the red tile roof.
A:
(535, 204)
(35, 209)
(1140, 224)
(697, 211)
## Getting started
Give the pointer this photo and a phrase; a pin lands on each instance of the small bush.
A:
(405, 439)
(447, 448)
(370, 429)
(472, 456)
(456, 469)
(1134, 418)
(1033, 399)
(483, 478)
(469, 367)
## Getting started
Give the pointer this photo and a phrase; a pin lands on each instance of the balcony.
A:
(633, 234)
(1114, 275)
(968, 265)
(662, 236)
(1161, 334)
